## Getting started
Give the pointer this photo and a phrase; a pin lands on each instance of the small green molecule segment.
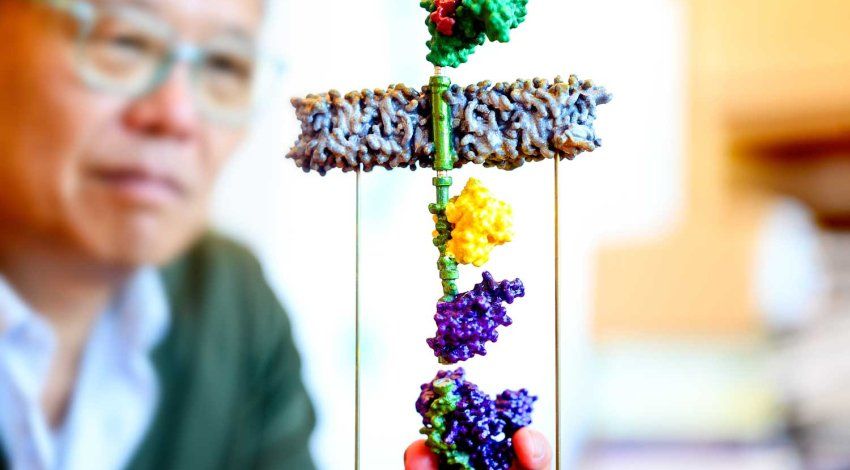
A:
(446, 265)
(445, 157)
(444, 160)
(475, 22)
(440, 407)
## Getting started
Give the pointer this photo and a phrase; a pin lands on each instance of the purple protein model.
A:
(467, 428)
(466, 323)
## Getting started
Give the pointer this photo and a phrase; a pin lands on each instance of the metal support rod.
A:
(357, 240)
(557, 325)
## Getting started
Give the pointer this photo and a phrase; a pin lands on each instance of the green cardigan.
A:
(231, 395)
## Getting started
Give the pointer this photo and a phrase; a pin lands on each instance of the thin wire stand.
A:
(357, 239)
(557, 326)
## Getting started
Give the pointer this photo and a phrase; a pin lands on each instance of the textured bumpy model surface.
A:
(500, 125)
(467, 323)
(469, 429)
(457, 27)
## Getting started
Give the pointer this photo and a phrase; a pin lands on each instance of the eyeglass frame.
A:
(85, 14)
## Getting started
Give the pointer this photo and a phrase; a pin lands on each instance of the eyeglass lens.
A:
(128, 51)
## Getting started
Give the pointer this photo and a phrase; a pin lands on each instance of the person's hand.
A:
(531, 448)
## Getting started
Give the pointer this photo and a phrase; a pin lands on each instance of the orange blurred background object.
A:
(768, 111)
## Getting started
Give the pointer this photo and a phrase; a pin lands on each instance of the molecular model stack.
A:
(445, 126)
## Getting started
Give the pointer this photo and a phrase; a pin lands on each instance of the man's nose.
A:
(168, 110)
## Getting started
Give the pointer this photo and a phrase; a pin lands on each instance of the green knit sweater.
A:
(231, 395)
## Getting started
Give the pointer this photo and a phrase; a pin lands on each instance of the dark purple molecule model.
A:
(467, 428)
(469, 321)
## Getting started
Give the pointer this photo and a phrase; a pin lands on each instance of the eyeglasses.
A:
(129, 51)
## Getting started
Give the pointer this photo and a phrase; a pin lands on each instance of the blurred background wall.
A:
(734, 317)
(701, 243)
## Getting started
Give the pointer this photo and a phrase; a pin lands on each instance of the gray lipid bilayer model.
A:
(498, 125)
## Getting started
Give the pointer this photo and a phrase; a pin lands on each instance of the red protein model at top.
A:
(444, 16)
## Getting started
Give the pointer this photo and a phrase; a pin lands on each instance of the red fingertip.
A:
(419, 457)
(532, 450)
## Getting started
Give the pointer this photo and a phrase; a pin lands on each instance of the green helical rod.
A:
(444, 159)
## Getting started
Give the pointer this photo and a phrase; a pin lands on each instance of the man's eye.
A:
(236, 67)
(130, 42)
(124, 42)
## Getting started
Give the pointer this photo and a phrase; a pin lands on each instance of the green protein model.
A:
(458, 26)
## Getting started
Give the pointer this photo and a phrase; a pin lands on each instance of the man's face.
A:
(124, 180)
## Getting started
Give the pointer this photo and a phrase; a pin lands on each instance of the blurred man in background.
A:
(115, 119)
